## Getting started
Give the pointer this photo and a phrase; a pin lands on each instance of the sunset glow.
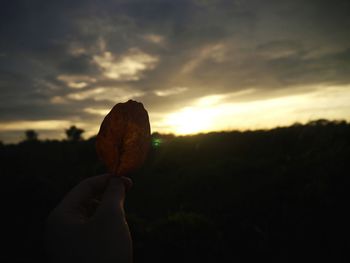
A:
(197, 66)
(210, 113)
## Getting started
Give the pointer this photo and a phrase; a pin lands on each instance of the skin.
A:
(89, 224)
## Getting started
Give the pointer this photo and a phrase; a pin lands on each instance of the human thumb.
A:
(113, 198)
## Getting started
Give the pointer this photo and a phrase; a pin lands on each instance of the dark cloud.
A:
(51, 49)
(80, 64)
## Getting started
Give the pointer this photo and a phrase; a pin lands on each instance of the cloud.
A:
(102, 112)
(214, 53)
(279, 49)
(128, 67)
(154, 38)
(106, 93)
(37, 125)
(76, 81)
(77, 63)
(171, 91)
(72, 60)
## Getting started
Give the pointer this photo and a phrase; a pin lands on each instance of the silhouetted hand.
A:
(89, 224)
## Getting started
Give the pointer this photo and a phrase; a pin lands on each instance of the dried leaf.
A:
(124, 138)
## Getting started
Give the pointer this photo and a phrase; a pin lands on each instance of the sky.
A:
(196, 65)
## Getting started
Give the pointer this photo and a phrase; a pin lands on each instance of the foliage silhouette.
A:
(74, 133)
(275, 195)
(31, 135)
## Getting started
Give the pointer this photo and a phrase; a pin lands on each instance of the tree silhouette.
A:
(246, 190)
(74, 133)
(31, 135)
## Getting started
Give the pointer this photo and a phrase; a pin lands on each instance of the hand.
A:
(89, 224)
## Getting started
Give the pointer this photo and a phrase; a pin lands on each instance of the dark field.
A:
(280, 195)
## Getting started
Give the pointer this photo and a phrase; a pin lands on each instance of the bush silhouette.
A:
(217, 197)
(74, 133)
(31, 135)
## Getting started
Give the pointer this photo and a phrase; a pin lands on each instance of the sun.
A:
(190, 120)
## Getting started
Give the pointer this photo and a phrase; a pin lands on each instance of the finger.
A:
(85, 190)
(90, 207)
(113, 198)
(127, 182)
